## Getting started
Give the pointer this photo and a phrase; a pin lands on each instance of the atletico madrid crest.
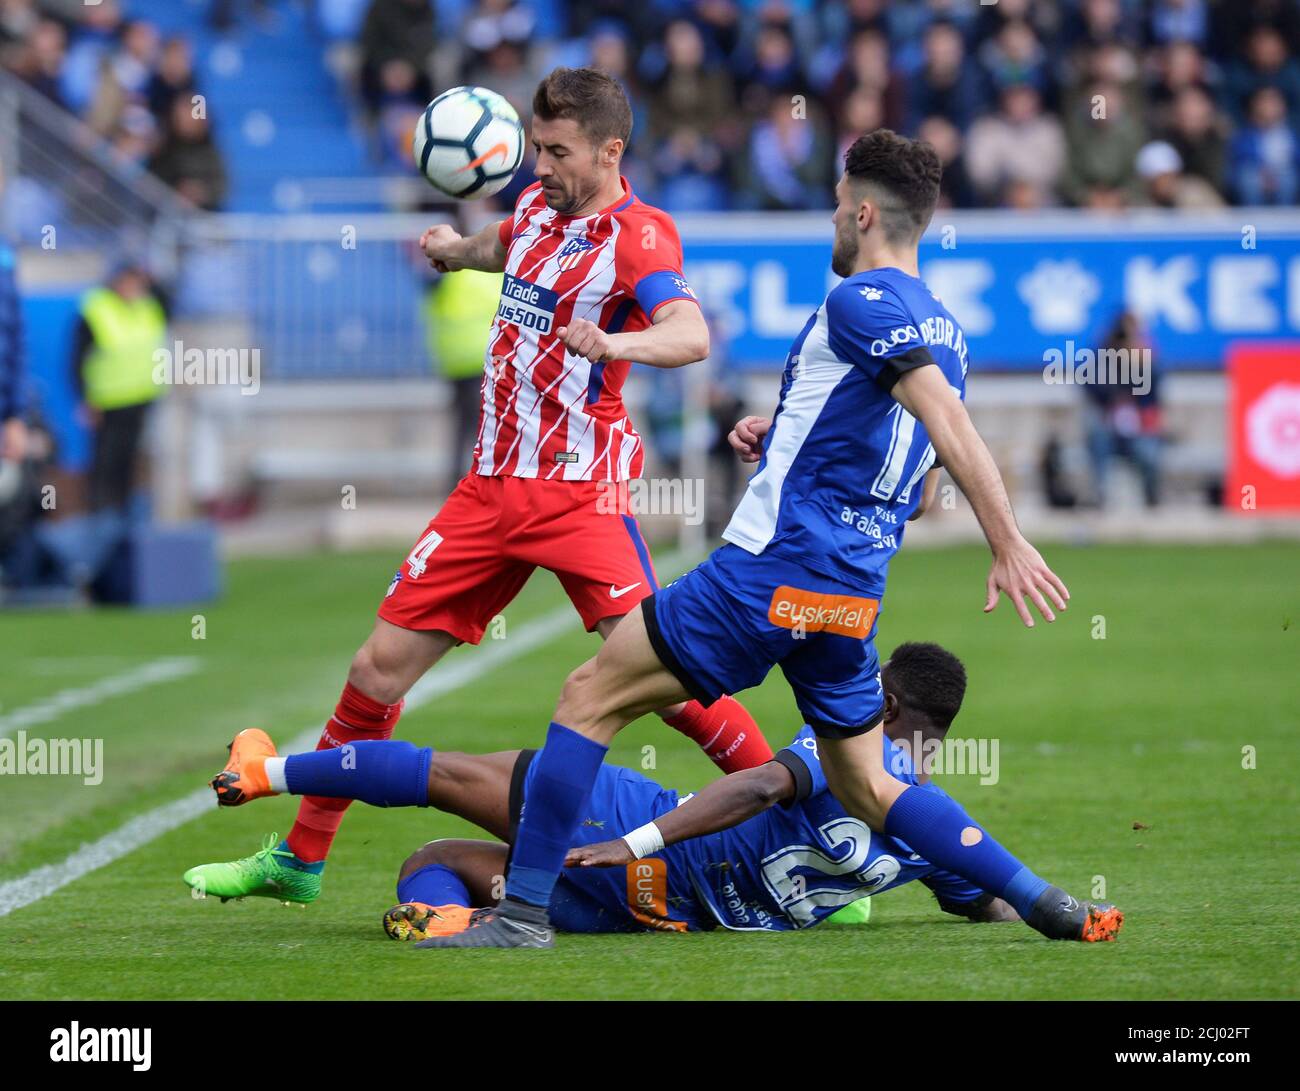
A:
(572, 253)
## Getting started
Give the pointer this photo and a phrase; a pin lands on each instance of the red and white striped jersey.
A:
(547, 413)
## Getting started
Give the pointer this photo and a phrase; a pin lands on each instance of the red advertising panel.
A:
(1263, 429)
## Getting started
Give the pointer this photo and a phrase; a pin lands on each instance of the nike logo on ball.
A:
(619, 592)
(496, 149)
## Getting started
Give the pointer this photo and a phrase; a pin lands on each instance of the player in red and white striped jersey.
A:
(548, 412)
(593, 280)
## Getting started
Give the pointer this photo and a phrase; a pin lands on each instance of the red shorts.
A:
(480, 549)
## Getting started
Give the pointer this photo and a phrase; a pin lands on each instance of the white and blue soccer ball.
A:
(468, 143)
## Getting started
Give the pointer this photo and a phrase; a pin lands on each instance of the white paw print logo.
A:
(871, 293)
(1059, 294)
(1273, 429)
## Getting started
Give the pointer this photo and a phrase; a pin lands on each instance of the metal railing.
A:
(68, 189)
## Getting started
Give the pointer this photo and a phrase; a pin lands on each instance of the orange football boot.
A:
(244, 776)
(1102, 924)
(417, 921)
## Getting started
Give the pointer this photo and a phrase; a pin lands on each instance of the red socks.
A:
(725, 731)
(355, 718)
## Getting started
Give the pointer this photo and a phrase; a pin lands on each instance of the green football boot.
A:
(858, 912)
(261, 875)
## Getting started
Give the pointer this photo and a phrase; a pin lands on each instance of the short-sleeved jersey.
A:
(794, 865)
(547, 413)
(843, 463)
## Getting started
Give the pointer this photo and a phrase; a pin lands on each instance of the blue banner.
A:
(1024, 284)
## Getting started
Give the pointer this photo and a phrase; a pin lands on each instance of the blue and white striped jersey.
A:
(843, 463)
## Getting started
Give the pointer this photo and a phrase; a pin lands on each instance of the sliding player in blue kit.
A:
(766, 849)
(871, 395)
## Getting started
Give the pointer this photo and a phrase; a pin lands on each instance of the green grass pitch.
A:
(1148, 725)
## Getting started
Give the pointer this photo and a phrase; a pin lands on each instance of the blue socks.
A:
(932, 825)
(560, 782)
(381, 772)
(313, 868)
(433, 885)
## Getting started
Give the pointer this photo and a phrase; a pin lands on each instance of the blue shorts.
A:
(650, 895)
(721, 627)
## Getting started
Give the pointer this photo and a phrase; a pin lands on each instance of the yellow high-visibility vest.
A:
(458, 315)
(119, 370)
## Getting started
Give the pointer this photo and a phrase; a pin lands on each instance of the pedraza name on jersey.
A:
(527, 304)
(935, 330)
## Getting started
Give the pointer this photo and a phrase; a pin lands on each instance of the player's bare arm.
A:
(677, 335)
(448, 251)
(1018, 570)
(724, 803)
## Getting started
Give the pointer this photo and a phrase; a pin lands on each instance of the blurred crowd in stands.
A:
(132, 86)
(748, 103)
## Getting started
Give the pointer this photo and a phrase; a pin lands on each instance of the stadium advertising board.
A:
(1023, 285)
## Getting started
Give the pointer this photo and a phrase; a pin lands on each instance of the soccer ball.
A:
(469, 142)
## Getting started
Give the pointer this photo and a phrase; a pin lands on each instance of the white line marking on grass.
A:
(115, 685)
(448, 675)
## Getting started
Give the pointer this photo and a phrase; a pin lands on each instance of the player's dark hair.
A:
(906, 174)
(927, 679)
(594, 100)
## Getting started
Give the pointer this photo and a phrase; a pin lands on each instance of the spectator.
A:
(1104, 138)
(1123, 415)
(691, 96)
(1233, 23)
(946, 85)
(39, 61)
(1017, 145)
(122, 324)
(1265, 153)
(863, 113)
(396, 30)
(1196, 132)
(944, 137)
(1185, 21)
(789, 162)
(775, 65)
(95, 38)
(497, 36)
(1266, 63)
(124, 77)
(492, 22)
(1179, 65)
(1099, 22)
(187, 158)
(1044, 19)
(174, 76)
(1015, 56)
(1161, 169)
(18, 18)
(398, 111)
(867, 64)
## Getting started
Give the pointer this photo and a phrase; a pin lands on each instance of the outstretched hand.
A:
(602, 854)
(1019, 572)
